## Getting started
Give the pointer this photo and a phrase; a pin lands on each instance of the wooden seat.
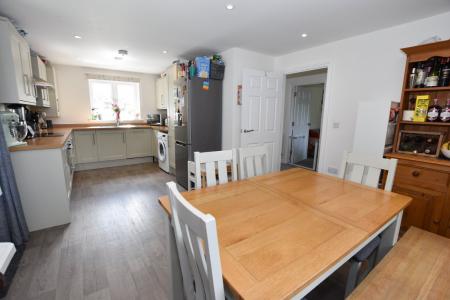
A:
(253, 161)
(365, 169)
(416, 268)
(197, 247)
(214, 165)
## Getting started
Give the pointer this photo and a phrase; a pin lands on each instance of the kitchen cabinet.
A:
(111, 144)
(44, 183)
(139, 142)
(428, 185)
(85, 146)
(16, 78)
(155, 147)
(38, 67)
(162, 92)
(53, 97)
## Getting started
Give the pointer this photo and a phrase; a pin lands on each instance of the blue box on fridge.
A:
(202, 64)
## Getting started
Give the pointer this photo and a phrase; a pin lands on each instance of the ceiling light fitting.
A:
(77, 37)
(164, 52)
(304, 35)
(230, 6)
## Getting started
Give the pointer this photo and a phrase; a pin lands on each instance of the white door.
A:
(300, 124)
(261, 113)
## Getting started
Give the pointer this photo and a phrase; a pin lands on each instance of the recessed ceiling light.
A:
(230, 6)
(77, 37)
(164, 52)
(304, 35)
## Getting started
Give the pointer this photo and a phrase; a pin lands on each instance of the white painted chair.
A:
(215, 167)
(198, 249)
(366, 169)
(253, 161)
(191, 175)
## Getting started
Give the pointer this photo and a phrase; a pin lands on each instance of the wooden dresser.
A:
(425, 179)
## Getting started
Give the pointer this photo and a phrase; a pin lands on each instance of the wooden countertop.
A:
(417, 268)
(280, 232)
(42, 143)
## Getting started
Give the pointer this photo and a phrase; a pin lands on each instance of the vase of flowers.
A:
(116, 110)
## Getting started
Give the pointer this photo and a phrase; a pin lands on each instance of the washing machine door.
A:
(162, 151)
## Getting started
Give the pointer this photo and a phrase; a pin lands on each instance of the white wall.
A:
(236, 60)
(368, 67)
(73, 92)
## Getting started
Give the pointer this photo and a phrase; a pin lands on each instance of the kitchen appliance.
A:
(14, 130)
(201, 112)
(163, 153)
(154, 119)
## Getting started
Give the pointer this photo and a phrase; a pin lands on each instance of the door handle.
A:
(296, 137)
(248, 130)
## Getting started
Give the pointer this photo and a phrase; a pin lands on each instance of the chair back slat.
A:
(214, 166)
(198, 249)
(222, 171)
(366, 169)
(253, 161)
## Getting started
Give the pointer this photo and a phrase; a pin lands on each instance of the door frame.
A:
(327, 104)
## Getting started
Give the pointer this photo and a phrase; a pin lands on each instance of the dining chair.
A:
(197, 247)
(214, 164)
(253, 161)
(366, 170)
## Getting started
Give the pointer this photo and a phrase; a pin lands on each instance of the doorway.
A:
(303, 119)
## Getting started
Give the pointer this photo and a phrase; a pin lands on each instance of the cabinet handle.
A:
(123, 137)
(415, 173)
(93, 139)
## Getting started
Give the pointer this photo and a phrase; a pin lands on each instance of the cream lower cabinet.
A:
(155, 143)
(85, 146)
(111, 144)
(139, 142)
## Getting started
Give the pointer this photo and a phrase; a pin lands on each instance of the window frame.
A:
(114, 93)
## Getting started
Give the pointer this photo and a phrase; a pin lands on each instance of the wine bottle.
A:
(445, 113)
(420, 78)
(444, 79)
(433, 111)
(432, 78)
(412, 77)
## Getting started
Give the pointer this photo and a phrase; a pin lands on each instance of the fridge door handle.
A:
(180, 144)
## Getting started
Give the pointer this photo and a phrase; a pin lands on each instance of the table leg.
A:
(174, 264)
(389, 237)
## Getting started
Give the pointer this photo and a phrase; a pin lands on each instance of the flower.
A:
(115, 108)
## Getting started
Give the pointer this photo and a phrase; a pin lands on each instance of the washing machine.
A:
(163, 151)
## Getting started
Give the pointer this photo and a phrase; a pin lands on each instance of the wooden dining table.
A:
(281, 234)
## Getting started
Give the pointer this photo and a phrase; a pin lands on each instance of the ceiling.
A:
(147, 27)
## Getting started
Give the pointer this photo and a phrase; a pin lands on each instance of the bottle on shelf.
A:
(433, 111)
(445, 112)
(412, 77)
(444, 79)
(412, 103)
(432, 78)
(420, 77)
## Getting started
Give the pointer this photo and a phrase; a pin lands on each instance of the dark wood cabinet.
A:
(425, 179)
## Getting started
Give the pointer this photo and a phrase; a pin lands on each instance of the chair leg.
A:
(352, 277)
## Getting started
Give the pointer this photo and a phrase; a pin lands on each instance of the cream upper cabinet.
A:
(85, 146)
(53, 109)
(16, 78)
(38, 67)
(111, 144)
(139, 142)
(162, 92)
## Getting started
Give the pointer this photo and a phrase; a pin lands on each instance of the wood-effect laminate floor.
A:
(114, 248)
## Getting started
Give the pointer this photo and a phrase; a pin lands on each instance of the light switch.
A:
(336, 124)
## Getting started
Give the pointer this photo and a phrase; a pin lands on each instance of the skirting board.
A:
(113, 163)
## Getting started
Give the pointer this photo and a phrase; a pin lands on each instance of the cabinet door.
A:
(42, 69)
(111, 144)
(164, 92)
(25, 57)
(85, 146)
(139, 142)
(22, 86)
(155, 143)
(425, 210)
(158, 93)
